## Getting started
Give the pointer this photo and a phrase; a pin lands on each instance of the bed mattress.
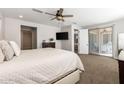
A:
(39, 66)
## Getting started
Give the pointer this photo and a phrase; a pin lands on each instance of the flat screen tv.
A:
(62, 36)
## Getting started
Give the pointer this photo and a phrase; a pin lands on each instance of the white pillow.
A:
(121, 55)
(1, 56)
(15, 47)
(7, 50)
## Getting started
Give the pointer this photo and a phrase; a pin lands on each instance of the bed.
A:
(42, 66)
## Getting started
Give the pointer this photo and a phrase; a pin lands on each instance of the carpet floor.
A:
(99, 70)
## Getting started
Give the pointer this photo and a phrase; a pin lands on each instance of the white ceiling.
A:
(82, 16)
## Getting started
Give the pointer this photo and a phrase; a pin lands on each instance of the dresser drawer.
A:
(48, 44)
(121, 71)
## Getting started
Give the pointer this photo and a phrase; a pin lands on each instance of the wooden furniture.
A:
(121, 71)
(48, 44)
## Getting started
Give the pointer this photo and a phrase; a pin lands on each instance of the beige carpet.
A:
(99, 70)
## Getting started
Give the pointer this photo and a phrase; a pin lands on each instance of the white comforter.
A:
(39, 66)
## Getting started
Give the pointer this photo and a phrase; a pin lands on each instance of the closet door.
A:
(27, 40)
(28, 37)
(83, 41)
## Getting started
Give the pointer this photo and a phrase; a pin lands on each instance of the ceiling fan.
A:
(58, 16)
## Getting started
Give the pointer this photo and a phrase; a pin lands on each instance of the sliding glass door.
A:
(94, 42)
(100, 41)
(106, 41)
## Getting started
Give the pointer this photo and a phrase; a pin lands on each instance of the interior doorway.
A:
(100, 41)
(28, 37)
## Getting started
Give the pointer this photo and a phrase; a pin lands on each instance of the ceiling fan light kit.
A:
(58, 16)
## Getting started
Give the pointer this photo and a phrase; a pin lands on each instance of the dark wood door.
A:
(27, 40)
(28, 37)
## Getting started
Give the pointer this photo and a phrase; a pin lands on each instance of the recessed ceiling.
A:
(82, 16)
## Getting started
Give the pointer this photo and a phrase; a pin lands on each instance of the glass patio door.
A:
(93, 42)
(100, 41)
(106, 41)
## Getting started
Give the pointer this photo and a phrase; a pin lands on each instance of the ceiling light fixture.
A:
(20, 16)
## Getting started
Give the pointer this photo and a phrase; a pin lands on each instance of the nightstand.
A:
(48, 44)
(121, 71)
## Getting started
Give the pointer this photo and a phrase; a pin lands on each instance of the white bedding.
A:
(39, 66)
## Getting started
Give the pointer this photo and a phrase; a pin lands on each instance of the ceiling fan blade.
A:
(36, 10)
(53, 18)
(50, 14)
(67, 15)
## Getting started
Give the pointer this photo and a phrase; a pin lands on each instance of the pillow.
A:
(121, 55)
(15, 47)
(1, 56)
(7, 50)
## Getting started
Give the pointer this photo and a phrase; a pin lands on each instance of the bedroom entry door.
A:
(28, 37)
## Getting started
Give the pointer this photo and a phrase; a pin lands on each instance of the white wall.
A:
(44, 32)
(1, 27)
(1, 37)
(1, 34)
(69, 44)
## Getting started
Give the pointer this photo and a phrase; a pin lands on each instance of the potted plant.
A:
(51, 39)
(44, 41)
